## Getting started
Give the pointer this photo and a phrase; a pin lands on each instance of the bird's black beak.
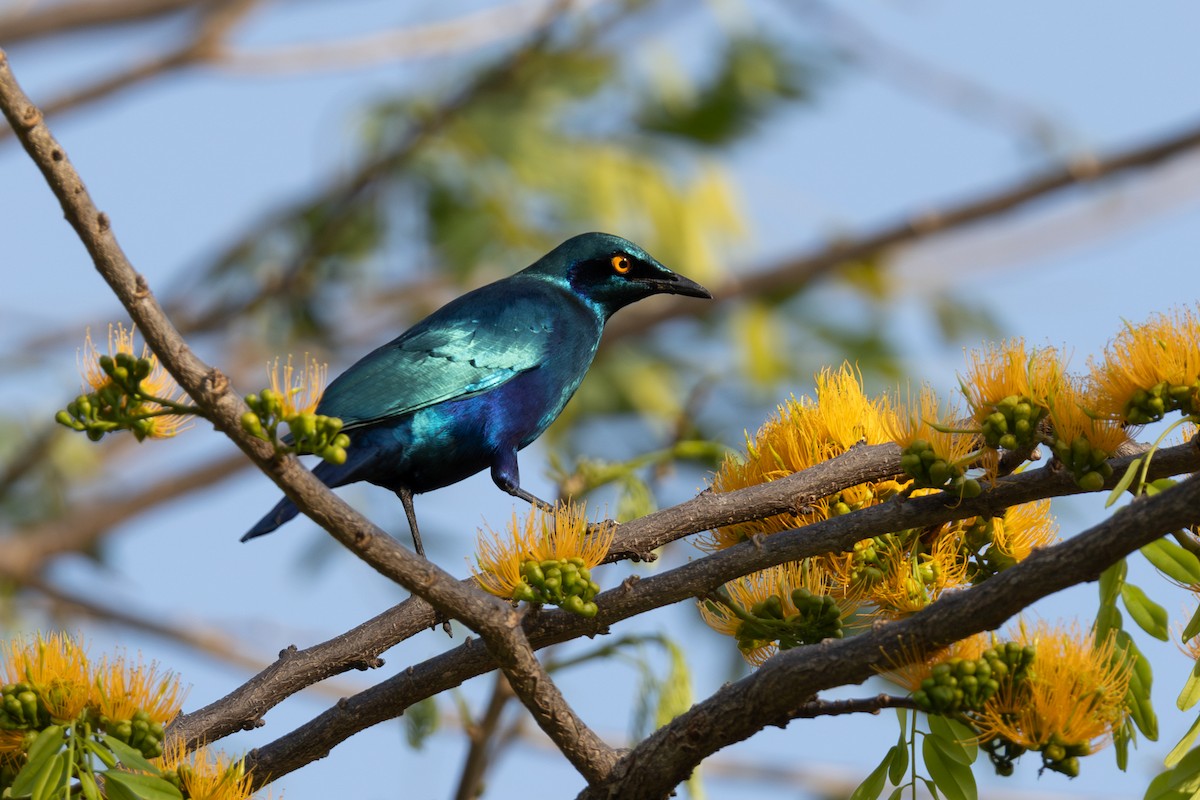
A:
(677, 284)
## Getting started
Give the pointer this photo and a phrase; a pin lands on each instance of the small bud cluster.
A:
(1152, 404)
(817, 617)
(1088, 465)
(1013, 423)
(986, 559)
(867, 563)
(566, 583)
(140, 732)
(310, 433)
(20, 708)
(959, 685)
(930, 470)
(121, 403)
(1058, 755)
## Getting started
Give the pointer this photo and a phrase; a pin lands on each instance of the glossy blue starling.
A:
(482, 377)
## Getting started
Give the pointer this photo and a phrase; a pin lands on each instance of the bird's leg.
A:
(406, 496)
(506, 475)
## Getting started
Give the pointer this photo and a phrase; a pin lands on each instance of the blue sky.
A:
(183, 166)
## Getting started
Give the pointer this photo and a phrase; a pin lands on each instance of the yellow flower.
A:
(1007, 370)
(204, 775)
(1074, 698)
(123, 689)
(914, 421)
(911, 581)
(1144, 360)
(914, 667)
(158, 383)
(300, 392)
(560, 535)
(57, 668)
(1075, 413)
(1024, 528)
(804, 433)
(12, 747)
(757, 588)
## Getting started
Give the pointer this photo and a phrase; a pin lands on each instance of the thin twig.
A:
(482, 736)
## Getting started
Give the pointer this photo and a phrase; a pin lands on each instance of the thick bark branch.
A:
(694, 579)
(779, 690)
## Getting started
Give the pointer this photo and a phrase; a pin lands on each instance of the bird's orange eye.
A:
(621, 264)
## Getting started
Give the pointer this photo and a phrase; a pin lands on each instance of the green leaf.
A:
(118, 791)
(899, 764)
(956, 734)
(53, 778)
(873, 785)
(143, 787)
(1122, 736)
(1124, 483)
(1192, 628)
(1181, 781)
(953, 778)
(1141, 710)
(1174, 561)
(87, 785)
(48, 743)
(1149, 615)
(1180, 750)
(1108, 619)
(128, 755)
(421, 720)
(1111, 581)
(1191, 689)
(898, 792)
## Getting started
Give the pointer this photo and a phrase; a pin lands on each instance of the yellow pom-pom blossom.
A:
(158, 383)
(299, 390)
(57, 670)
(547, 558)
(1151, 369)
(1008, 389)
(1083, 441)
(932, 453)
(205, 775)
(124, 689)
(913, 579)
(914, 668)
(803, 433)
(1024, 528)
(782, 606)
(1070, 705)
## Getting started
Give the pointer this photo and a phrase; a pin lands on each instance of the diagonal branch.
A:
(496, 621)
(49, 20)
(694, 579)
(779, 690)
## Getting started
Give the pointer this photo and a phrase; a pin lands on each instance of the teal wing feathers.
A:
(449, 356)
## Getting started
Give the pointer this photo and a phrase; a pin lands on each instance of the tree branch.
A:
(52, 19)
(496, 621)
(694, 579)
(778, 691)
(205, 44)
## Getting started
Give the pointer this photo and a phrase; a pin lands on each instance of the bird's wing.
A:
(456, 353)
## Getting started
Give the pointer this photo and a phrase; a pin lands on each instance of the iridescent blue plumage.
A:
(482, 377)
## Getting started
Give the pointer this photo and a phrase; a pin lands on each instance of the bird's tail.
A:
(330, 474)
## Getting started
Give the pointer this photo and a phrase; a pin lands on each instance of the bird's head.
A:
(610, 272)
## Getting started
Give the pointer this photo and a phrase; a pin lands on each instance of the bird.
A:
(466, 388)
